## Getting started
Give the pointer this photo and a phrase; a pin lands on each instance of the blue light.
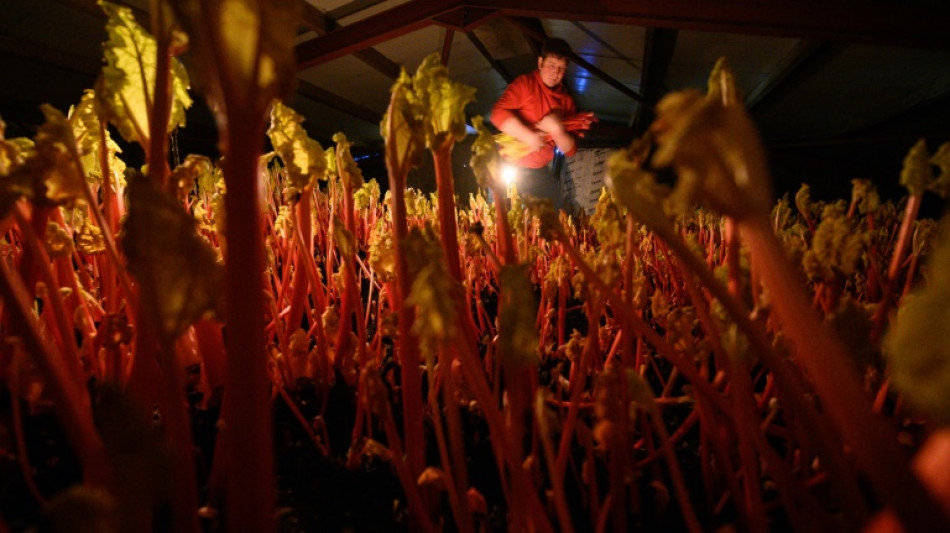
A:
(582, 83)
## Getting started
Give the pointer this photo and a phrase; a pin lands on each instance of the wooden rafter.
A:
(447, 45)
(871, 22)
(465, 18)
(382, 27)
(658, 52)
(499, 68)
(351, 8)
(322, 23)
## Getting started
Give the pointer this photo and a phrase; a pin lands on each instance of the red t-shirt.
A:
(530, 100)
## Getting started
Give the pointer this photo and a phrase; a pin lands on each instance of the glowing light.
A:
(582, 83)
(509, 173)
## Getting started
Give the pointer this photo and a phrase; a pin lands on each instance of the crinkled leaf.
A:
(176, 269)
(49, 173)
(382, 255)
(84, 118)
(918, 343)
(9, 152)
(941, 159)
(366, 195)
(864, 193)
(89, 238)
(485, 159)
(303, 157)
(330, 154)
(402, 126)
(13, 184)
(609, 224)
(443, 101)
(836, 248)
(432, 288)
(343, 238)
(517, 335)
(803, 200)
(59, 243)
(917, 172)
(636, 189)
(127, 86)
(349, 171)
(192, 171)
(716, 152)
(56, 146)
(543, 210)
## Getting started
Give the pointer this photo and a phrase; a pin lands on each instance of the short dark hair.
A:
(557, 48)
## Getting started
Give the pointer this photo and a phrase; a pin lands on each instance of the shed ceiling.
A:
(815, 73)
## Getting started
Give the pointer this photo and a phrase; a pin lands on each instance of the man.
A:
(534, 109)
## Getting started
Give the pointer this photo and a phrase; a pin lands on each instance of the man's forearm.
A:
(519, 130)
(552, 125)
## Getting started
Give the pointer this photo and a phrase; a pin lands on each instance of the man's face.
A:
(552, 69)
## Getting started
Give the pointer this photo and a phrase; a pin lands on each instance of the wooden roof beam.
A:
(870, 22)
(447, 45)
(499, 68)
(657, 55)
(322, 24)
(382, 27)
(890, 24)
(464, 19)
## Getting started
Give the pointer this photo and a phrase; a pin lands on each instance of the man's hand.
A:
(535, 140)
(532, 138)
(552, 125)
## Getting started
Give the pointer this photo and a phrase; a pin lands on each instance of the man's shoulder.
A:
(525, 79)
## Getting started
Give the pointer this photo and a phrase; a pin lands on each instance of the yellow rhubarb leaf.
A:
(126, 87)
(432, 288)
(941, 159)
(350, 173)
(485, 159)
(443, 100)
(836, 247)
(49, 172)
(176, 269)
(84, 118)
(918, 344)
(402, 126)
(303, 157)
